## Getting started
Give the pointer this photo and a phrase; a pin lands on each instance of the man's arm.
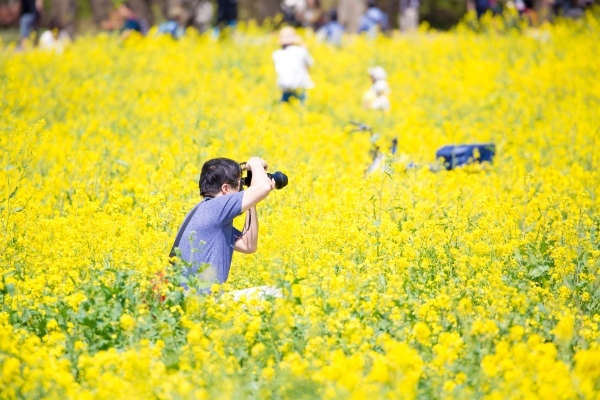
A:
(248, 243)
(259, 189)
(261, 184)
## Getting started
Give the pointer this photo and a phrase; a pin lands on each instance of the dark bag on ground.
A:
(464, 154)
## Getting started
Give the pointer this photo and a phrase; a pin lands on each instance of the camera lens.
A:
(281, 179)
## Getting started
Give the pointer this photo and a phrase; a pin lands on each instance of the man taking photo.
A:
(207, 237)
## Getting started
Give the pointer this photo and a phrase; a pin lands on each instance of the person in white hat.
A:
(376, 98)
(381, 101)
(377, 73)
(292, 63)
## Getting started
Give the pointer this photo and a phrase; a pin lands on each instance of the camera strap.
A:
(185, 224)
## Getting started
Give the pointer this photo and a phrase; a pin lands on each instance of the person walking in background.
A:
(292, 63)
(373, 20)
(227, 14)
(408, 18)
(30, 15)
(332, 32)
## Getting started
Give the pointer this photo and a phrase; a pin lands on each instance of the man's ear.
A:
(225, 188)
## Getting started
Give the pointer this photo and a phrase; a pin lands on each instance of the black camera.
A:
(281, 179)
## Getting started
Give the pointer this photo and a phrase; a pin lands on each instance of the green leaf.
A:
(539, 271)
(10, 289)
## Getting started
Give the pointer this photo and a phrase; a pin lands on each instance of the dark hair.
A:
(217, 172)
(371, 3)
(333, 14)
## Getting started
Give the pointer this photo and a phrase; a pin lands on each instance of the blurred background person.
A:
(143, 10)
(408, 16)
(10, 12)
(175, 25)
(227, 14)
(312, 15)
(376, 97)
(481, 7)
(570, 8)
(379, 100)
(55, 38)
(131, 21)
(373, 20)
(196, 13)
(125, 20)
(202, 15)
(332, 32)
(292, 64)
(31, 11)
(292, 11)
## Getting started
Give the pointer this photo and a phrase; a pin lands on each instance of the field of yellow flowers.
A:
(471, 283)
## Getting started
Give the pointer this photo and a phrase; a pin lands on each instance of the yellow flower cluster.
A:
(479, 282)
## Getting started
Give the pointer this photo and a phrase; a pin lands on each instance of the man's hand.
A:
(259, 189)
(261, 184)
(256, 161)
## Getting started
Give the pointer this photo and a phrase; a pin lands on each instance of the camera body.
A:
(281, 179)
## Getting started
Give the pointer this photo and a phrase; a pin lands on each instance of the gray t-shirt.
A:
(208, 240)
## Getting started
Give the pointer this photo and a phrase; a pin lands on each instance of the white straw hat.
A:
(288, 36)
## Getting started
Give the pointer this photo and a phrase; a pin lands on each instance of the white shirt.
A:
(291, 65)
(381, 102)
(376, 97)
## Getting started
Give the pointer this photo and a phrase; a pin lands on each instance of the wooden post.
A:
(258, 9)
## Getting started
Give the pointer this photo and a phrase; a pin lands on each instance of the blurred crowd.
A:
(348, 16)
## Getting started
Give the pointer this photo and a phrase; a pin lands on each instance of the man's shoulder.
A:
(224, 199)
(219, 208)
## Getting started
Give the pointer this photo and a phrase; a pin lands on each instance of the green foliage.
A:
(155, 309)
(442, 14)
